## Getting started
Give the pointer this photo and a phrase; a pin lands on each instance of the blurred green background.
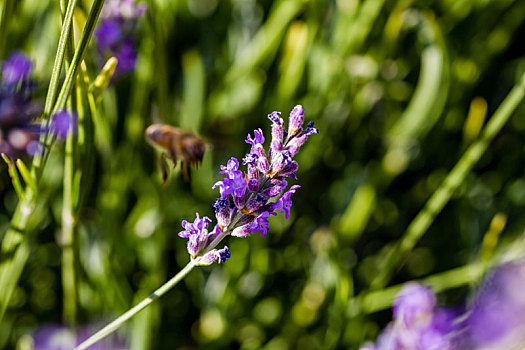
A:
(398, 90)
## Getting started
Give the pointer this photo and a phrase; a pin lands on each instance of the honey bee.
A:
(176, 145)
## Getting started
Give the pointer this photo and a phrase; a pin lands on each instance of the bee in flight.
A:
(176, 145)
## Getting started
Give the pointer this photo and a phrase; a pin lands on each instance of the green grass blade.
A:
(455, 178)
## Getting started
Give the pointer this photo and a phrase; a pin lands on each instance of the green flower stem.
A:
(117, 323)
(68, 241)
(15, 248)
(68, 219)
(442, 195)
(59, 59)
(67, 86)
(382, 299)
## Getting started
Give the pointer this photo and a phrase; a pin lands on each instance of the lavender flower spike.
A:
(18, 133)
(16, 68)
(247, 199)
(116, 33)
(417, 324)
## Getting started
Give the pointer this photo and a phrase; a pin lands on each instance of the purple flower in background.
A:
(61, 123)
(108, 35)
(255, 194)
(497, 317)
(18, 135)
(116, 33)
(417, 324)
(414, 304)
(17, 68)
(58, 337)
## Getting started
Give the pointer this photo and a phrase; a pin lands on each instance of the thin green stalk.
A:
(455, 178)
(85, 38)
(67, 86)
(59, 59)
(15, 248)
(382, 299)
(68, 219)
(117, 323)
(68, 241)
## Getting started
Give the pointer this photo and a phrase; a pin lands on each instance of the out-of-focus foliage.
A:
(398, 90)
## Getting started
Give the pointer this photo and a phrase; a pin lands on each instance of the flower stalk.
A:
(117, 323)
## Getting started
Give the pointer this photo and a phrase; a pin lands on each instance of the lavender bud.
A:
(253, 173)
(296, 120)
(258, 150)
(241, 231)
(295, 144)
(277, 135)
(222, 212)
(255, 203)
(238, 201)
(275, 187)
(263, 165)
(280, 161)
(253, 185)
(213, 255)
(290, 169)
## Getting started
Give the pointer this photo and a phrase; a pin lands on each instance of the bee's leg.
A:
(163, 162)
(186, 172)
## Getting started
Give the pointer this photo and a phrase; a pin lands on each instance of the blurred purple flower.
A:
(18, 136)
(417, 325)
(16, 68)
(58, 337)
(497, 317)
(116, 33)
(108, 35)
(256, 193)
(61, 123)
(415, 303)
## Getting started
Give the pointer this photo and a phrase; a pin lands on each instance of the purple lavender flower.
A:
(62, 122)
(497, 317)
(197, 232)
(116, 33)
(417, 324)
(256, 194)
(17, 68)
(414, 304)
(18, 136)
(58, 337)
